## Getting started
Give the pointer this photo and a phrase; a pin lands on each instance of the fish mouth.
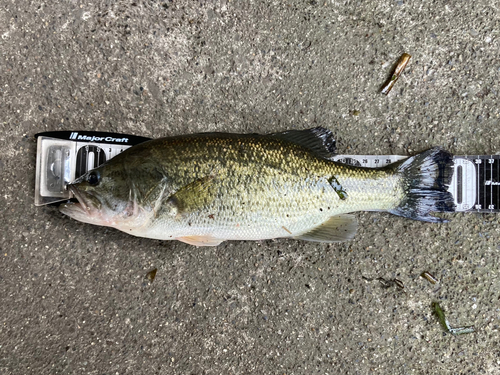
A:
(80, 197)
(85, 209)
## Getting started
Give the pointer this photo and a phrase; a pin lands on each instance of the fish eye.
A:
(93, 178)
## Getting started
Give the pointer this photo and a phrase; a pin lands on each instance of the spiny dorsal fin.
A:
(319, 140)
(336, 229)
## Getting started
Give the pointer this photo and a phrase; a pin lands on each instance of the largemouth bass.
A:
(203, 189)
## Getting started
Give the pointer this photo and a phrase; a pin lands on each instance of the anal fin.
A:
(200, 240)
(338, 228)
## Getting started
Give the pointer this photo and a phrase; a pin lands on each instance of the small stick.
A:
(401, 65)
(426, 275)
(399, 283)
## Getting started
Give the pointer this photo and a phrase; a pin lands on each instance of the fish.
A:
(203, 189)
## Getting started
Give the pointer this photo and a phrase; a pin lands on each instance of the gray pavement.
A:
(74, 297)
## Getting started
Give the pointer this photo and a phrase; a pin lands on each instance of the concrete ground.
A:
(75, 298)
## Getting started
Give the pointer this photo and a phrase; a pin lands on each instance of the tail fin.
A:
(426, 178)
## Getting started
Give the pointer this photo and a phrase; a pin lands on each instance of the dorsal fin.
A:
(319, 140)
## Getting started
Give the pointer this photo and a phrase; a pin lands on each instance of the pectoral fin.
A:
(336, 229)
(190, 198)
(200, 240)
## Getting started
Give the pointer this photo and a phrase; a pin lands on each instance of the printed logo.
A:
(93, 138)
(491, 183)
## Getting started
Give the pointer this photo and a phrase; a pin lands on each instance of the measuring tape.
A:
(66, 155)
